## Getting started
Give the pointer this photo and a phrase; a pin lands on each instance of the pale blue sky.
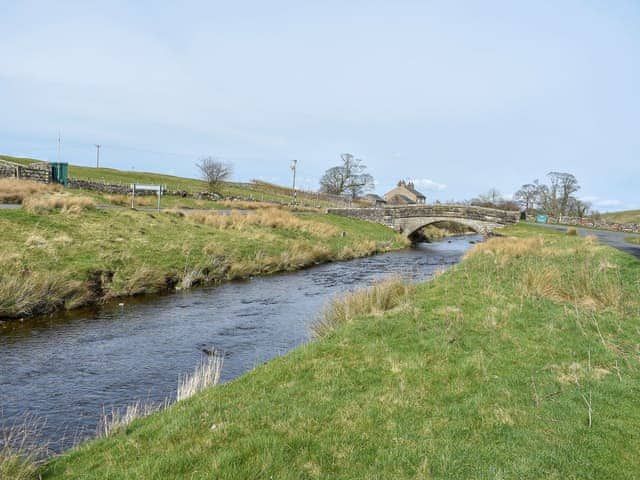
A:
(463, 96)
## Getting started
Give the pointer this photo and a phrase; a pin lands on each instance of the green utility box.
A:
(60, 172)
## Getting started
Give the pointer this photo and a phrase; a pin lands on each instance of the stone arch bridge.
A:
(408, 219)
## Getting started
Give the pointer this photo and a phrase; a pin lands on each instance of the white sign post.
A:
(138, 187)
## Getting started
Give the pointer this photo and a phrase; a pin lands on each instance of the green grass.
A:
(493, 370)
(56, 260)
(260, 191)
(628, 216)
(633, 240)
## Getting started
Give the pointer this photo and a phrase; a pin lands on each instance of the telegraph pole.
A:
(97, 156)
(58, 146)
(293, 167)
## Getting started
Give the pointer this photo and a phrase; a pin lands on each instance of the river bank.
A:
(66, 370)
(518, 362)
(65, 258)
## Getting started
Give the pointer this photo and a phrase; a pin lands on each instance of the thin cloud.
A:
(428, 184)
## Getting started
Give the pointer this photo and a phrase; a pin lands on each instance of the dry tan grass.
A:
(268, 217)
(207, 374)
(509, 247)
(246, 205)
(15, 191)
(20, 449)
(72, 204)
(588, 283)
(380, 298)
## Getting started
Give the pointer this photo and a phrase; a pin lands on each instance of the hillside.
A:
(256, 190)
(627, 216)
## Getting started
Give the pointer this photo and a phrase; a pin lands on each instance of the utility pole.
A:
(97, 156)
(293, 167)
(58, 146)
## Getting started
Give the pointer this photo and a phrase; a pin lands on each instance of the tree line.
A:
(556, 197)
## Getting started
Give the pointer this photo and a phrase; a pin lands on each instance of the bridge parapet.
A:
(407, 219)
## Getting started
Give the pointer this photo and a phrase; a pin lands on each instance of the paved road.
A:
(613, 239)
(10, 206)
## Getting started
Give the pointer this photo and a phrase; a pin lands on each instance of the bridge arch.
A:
(408, 227)
(407, 219)
(413, 231)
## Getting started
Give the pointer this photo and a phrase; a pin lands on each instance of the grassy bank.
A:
(61, 252)
(626, 216)
(521, 362)
(255, 190)
(633, 240)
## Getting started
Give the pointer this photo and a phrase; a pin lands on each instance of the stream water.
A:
(67, 369)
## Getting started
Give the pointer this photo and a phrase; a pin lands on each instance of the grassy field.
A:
(60, 252)
(258, 191)
(628, 216)
(634, 240)
(521, 362)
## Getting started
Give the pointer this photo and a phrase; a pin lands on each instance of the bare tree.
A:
(562, 187)
(527, 195)
(350, 177)
(214, 172)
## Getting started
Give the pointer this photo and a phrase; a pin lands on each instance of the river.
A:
(66, 369)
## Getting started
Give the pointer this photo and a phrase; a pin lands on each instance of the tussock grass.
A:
(21, 449)
(542, 271)
(31, 293)
(73, 204)
(376, 300)
(16, 191)
(269, 217)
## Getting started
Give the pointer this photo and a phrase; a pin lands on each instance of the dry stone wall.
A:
(36, 172)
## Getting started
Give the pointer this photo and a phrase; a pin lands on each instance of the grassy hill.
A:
(256, 190)
(521, 362)
(627, 216)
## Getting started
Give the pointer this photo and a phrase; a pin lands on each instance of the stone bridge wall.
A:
(407, 219)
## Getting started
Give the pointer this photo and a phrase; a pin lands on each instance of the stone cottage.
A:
(404, 194)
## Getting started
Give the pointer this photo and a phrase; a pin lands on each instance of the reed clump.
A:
(375, 300)
(16, 191)
(20, 449)
(206, 374)
(72, 204)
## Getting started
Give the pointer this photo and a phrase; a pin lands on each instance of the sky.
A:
(460, 96)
